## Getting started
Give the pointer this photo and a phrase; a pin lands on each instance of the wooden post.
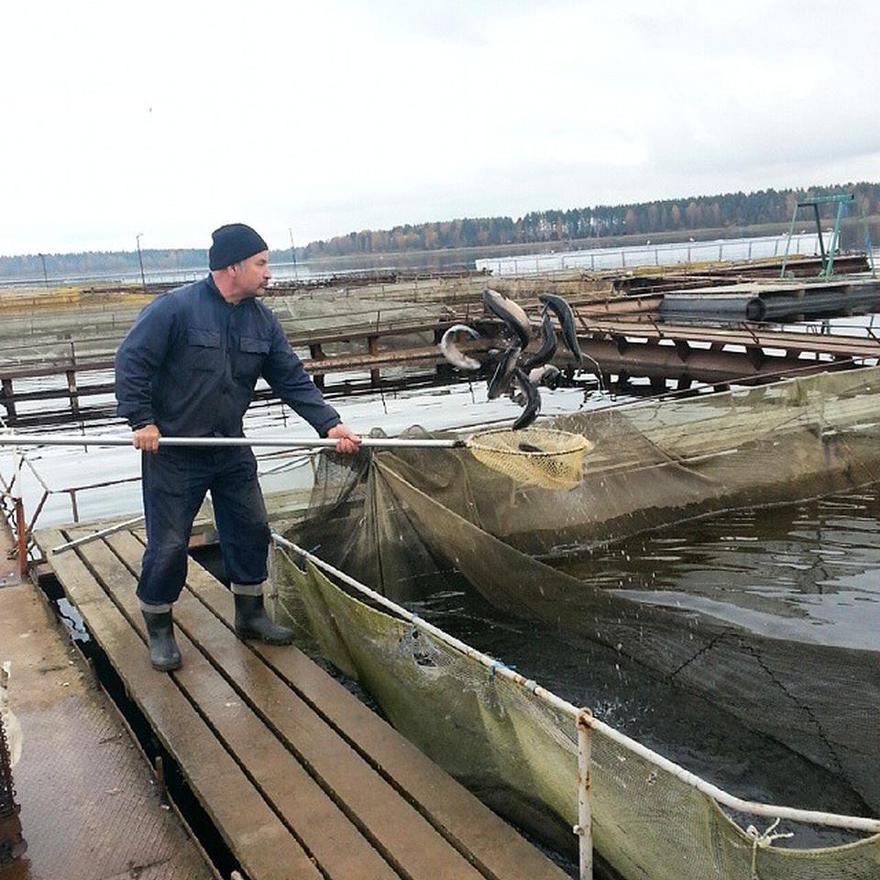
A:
(74, 397)
(373, 348)
(8, 395)
(21, 536)
(316, 354)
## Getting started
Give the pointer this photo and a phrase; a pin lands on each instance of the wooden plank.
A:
(339, 848)
(54, 393)
(401, 833)
(56, 369)
(498, 850)
(8, 394)
(342, 362)
(254, 833)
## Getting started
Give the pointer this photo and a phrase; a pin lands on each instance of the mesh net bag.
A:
(533, 456)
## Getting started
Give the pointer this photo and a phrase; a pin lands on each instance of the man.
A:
(188, 368)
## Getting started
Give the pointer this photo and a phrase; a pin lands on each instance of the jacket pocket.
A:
(203, 349)
(249, 357)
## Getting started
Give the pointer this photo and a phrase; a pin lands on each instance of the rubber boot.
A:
(252, 622)
(164, 653)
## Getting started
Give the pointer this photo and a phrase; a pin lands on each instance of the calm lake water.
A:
(814, 564)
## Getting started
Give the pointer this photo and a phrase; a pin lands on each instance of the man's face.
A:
(252, 275)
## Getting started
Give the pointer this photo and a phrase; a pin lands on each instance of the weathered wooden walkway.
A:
(300, 778)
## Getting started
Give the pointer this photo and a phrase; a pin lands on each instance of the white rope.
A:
(763, 840)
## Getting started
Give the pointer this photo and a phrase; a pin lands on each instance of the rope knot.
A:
(764, 839)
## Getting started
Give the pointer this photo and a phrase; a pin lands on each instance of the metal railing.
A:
(12, 505)
(585, 723)
(675, 253)
(13, 508)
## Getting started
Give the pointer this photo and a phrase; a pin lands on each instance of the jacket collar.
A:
(212, 286)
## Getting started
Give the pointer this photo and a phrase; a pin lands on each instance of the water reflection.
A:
(807, 570)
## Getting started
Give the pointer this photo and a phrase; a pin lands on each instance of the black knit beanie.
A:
(233, 243)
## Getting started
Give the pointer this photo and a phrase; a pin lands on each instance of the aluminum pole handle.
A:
(277, 442)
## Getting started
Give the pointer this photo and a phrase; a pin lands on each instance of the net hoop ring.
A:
(533, 456)
(549, 441)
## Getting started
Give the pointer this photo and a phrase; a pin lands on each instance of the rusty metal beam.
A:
(644, 348)
(659, 362)
(838, 346)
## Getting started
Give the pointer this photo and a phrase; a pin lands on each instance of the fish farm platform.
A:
(300, 778)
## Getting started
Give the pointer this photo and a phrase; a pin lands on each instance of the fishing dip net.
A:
(533, 456)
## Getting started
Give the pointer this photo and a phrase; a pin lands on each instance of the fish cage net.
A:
(405, 522)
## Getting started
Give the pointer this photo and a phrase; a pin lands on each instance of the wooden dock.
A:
(300, 778)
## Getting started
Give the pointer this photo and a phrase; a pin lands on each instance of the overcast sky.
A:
(171, 118)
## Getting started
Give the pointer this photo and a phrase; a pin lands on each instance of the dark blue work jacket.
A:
(190, 363)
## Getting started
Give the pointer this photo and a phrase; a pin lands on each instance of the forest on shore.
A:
(732, 212)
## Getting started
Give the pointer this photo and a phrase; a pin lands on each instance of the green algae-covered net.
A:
(519, 755)
(406, 522)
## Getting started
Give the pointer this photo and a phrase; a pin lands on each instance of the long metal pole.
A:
(276, 442)
(103, 533)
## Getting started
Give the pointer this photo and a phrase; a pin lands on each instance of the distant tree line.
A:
(700, 212)
(97, 263)
(730, 210)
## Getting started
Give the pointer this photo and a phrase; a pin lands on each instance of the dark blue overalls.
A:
(189, 365)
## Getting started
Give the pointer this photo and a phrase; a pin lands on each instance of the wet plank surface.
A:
(301, 779)
(90, 809)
